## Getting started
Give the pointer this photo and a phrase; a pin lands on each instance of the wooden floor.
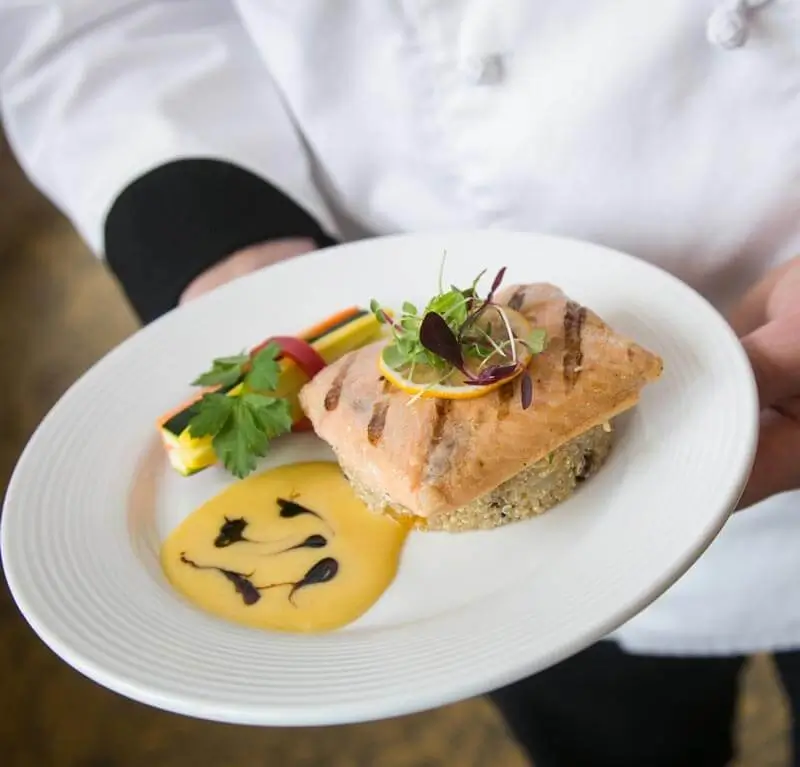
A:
(59, 312)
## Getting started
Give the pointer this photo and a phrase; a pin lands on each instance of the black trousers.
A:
(606, 708)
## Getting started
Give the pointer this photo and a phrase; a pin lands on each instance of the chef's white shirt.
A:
(668, 129)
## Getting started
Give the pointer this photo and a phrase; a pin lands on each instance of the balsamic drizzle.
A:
(241, 582)
(315, 541)
(322, 572)
(291, 509)
(231, 532)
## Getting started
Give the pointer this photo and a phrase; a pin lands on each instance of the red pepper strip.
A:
(256, 349)
(305, 356)
(302, 353)
(308, 360)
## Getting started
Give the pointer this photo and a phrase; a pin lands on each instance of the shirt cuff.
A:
(179, 219)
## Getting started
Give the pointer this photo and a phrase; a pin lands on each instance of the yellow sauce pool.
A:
(255, 555)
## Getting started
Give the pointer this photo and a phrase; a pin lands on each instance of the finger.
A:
(244, 262)
(279, 250)
(264, 254)
(777, 465)
(774, 352)
(785, 295)
(766, 299)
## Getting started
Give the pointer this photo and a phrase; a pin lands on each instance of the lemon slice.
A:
(440, 390)
(427, 382)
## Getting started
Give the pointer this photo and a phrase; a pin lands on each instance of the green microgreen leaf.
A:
(537, 340)
(394, 357)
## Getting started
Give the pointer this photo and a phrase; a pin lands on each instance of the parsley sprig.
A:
(458, 333)
(241, 426)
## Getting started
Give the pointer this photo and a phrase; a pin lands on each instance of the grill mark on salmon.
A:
(574, 317)
(443, 407)
(517, 298)
(334, 394)
(377, 421)
(504, 395)
(440, 447)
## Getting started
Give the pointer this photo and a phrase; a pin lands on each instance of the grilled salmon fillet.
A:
(432, 458)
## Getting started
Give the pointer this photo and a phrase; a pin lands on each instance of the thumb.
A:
(774, 352)
(776, 467)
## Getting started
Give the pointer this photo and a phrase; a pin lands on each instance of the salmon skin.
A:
(432, 456)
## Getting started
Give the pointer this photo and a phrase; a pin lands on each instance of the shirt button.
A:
(484, 70)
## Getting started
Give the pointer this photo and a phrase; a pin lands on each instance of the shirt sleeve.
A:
(156, 128)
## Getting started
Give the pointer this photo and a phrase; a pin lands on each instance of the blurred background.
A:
(60, 311)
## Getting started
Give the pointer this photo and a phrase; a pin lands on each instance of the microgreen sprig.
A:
(447, 337)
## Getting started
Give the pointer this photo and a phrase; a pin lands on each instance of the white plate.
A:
(92, 497)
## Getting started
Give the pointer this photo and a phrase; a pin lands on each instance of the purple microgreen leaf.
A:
(526, 390)
(496, 284)
(389, 321)
(476, 313)
(493, 374)
(437, 337)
